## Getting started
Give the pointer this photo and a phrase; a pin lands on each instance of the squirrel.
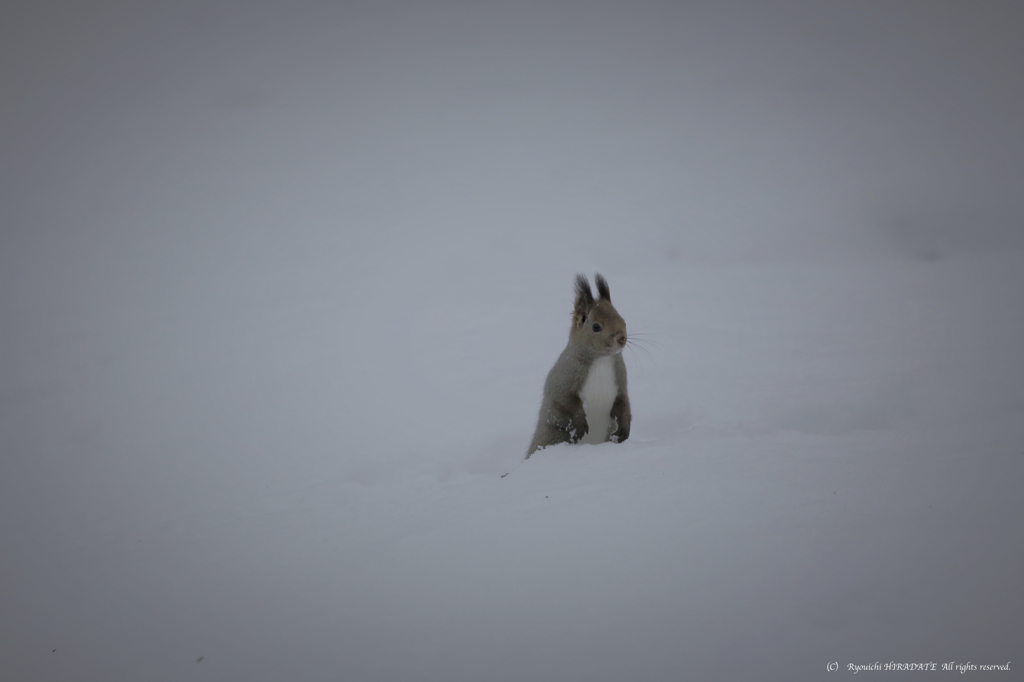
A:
(585, 397)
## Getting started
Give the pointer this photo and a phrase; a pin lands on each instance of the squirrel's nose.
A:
(621, 339)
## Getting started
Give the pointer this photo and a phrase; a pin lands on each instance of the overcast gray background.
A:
(279, 284)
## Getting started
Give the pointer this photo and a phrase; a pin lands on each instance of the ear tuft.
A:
(583, 289)
(602, 288)
(584, 299)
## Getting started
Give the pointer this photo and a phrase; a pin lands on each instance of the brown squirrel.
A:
(585, 397)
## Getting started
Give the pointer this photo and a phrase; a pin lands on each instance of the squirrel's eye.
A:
(597, 327)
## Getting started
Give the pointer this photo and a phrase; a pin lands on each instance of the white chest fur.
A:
(598, 396)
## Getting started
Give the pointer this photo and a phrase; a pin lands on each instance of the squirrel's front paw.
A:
(577, 431)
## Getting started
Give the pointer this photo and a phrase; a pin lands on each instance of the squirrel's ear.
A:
(602, 288)
(584, 299)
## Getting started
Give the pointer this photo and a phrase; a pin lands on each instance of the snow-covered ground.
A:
(280, 284)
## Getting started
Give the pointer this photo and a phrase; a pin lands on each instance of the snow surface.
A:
(280, 284)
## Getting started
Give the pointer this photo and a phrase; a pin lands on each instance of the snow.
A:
(280, 284)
